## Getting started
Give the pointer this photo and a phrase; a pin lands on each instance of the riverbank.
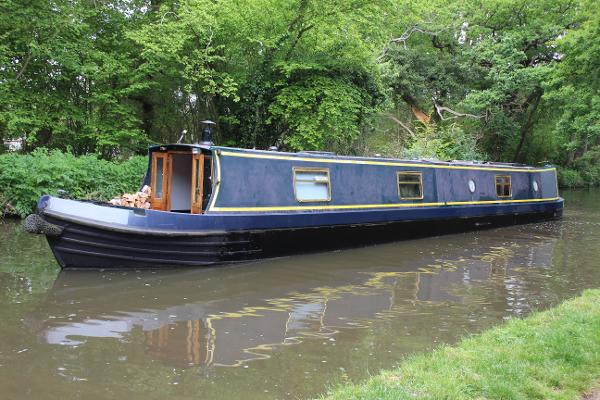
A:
(554, 354)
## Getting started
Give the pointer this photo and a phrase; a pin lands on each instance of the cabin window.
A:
(410, 185)
(312, 184)
(536, 186)
(503, 186)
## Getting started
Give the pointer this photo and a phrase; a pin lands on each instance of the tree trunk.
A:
(534, 99)
(414, 108)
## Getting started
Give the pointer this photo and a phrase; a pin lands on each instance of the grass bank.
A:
(553, 354)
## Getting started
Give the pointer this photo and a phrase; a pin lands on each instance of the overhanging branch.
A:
(402, 124)
(407, 34)
(440, 110)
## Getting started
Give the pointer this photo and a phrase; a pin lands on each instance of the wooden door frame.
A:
(159, 203)
(164, 202)
(197, 192)
(170, 173)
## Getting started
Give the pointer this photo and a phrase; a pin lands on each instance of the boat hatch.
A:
(180, 180)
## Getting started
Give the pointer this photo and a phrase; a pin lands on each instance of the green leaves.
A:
(491, 60)
(516, 80)
(69, 73)
(573, 91)
(291, 66)
(24, 178)
(320, 113)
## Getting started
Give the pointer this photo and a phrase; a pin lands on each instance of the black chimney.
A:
(207, 132)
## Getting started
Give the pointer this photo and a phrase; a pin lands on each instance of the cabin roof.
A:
(332, 156)
(322, 155)
(180, 146)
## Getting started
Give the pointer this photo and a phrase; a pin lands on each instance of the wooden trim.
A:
(496, 177)
(164, 203)
(197, 191)
(169, 178)
(180, 152)
(159, 203)
(418, 183)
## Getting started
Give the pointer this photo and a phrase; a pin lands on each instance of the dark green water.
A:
(286, 328)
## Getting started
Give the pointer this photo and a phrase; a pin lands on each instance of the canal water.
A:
(280, 329)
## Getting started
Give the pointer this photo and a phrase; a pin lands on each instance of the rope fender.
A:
(34, 223)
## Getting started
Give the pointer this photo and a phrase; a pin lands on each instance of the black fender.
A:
(35, 223)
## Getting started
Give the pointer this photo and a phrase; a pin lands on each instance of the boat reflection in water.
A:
(229, 316)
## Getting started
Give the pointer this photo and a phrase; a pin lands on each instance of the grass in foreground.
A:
(553, 354)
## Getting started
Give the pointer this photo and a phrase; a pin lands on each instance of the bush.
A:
(588, 166)
(441, 142)
(584, 171)
(445, 143)
(569, 178)
(24, 178)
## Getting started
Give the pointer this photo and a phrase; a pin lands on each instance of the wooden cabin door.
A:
(197, 183)
(160, 177)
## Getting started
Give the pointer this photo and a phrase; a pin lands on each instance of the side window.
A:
(503, 186)
(410, 185)
(312, 184)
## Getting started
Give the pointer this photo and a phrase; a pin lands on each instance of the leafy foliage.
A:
(24, 178)
(510, 80)
(67, 76)
(322, 113)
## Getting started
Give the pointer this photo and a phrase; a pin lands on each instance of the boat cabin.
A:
(207, 179)
(183, 178)
(180, 177)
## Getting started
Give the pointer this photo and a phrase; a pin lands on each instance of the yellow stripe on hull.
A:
(373, 206)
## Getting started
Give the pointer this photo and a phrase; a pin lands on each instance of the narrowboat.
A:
(213, 205)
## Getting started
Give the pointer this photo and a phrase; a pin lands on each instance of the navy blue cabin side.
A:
(254, 181)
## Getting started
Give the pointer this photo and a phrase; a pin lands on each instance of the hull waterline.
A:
(85, 244)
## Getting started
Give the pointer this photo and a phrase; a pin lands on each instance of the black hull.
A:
(81, 246)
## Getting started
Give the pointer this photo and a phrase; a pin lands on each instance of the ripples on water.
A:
(285, 328)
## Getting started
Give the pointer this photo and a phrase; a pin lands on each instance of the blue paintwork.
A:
(167, 221)
(252, 182)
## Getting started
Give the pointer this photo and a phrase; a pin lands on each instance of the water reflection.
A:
(231, 316)
(285, 328)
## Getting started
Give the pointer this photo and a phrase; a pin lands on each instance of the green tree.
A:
(306, 76)
(573, 93)
(509, 80)
(68, 75)
(481, 63)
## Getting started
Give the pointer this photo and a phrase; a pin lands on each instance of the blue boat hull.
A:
(131, 238)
